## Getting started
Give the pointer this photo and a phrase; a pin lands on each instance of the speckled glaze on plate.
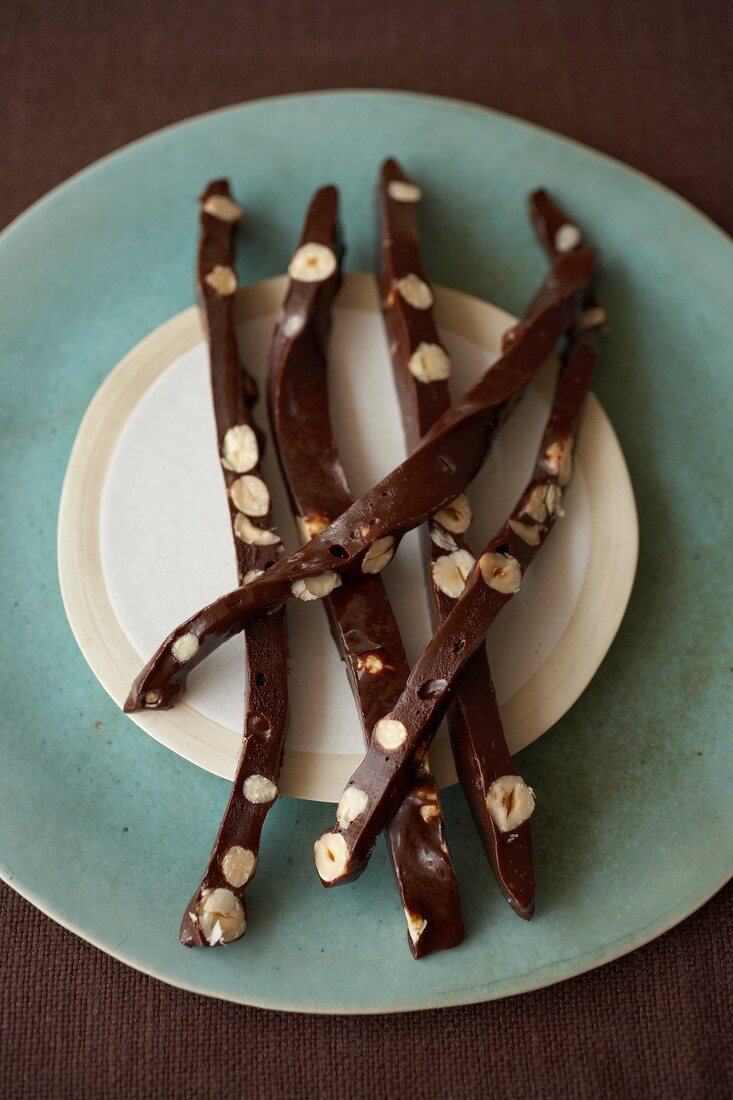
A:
(105, 830)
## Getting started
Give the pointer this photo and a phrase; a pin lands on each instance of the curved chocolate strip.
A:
(405, 733)
(361, 619)
(216, 913)
(421, 367)
(364, 537)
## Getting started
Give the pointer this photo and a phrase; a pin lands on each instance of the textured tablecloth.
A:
(647, 82)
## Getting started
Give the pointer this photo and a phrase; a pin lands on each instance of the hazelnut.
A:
(402, 191)
(379, 555)
(567, 237)
(222, 279)
(415, 292)
(352, 803)
(390, 733)
(245, 530)
(331, 854)
(510, 802)
(456, 516)
(258, 789)
(184, 648)
(221, 916)
(312, 263)
(450, 572)
(429, 363)
(238, 865)
(250, 495)
(315, 588)
(240, 451)
(223, 208)
(529, 533)
(501, 572)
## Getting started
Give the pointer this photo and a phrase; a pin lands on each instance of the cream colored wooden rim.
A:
(545, 697)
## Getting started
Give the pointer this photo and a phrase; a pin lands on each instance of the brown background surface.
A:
(647, 82)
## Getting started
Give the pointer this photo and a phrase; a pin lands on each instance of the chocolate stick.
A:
(216, 913)
(421, 368)
(361, 618)
(406, 732)
(364, 538)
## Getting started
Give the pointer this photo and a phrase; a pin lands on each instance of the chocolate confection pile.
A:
(347, 543)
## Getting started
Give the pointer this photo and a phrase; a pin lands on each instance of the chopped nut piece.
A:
(415, 292)
(450, 572)
(310, 526)
(416, 925)
(441, 538)
(315, 588)
(184, 648)
(543, 501)
(530, 533)
(456, 516)
(402, 191)
(567, 237)
(222, 279)
(352, 803)
(558, 459)
(370, 662)
(250, 495)
(252, 575)
(379, 555)
(312, 263)
(293, 325)
(221, 916)
(429, 363)
(245, 530)
(595, 317)
(331, 854)
(389, 733)
(258, 789)
(430, 811)
(501, 572)
(240, 451)
(152, 698)
(510, 802)
(238, 865)
(223, 208)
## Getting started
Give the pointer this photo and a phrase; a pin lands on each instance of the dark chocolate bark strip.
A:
(364, 538)
(421, 368)
(406, 732)
(216, 913)
(361, 618)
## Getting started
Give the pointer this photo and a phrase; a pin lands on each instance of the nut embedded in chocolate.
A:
(250, 495)
(240, 451)
(441, 538)
(457, 516)
(429, 363)
(501, 572)
(220, 916)
(379, 555)
(331, 855)
(450, 572)
(416, 925)
(510, 802)
(390, 733)
(542, 501)
(352, 803)
(224, 208)
(258, 789)
(315, 588)
(183, 649)
(402, 191)
(310, 526)
(559, 460)
(222, 279)
(415, 291)
(248, 532)
(312, 263)
(238, 865)
(567, 237)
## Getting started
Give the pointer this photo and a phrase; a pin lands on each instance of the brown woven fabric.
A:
(648, 83)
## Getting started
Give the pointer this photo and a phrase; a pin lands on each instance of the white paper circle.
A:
(145, 516)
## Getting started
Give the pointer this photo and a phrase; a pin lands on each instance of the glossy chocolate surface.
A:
(266, 711)
(477, 735)
(433, 475)
(360, 616)
(420, 709)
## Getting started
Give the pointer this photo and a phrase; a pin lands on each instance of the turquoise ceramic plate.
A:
(105, 830)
